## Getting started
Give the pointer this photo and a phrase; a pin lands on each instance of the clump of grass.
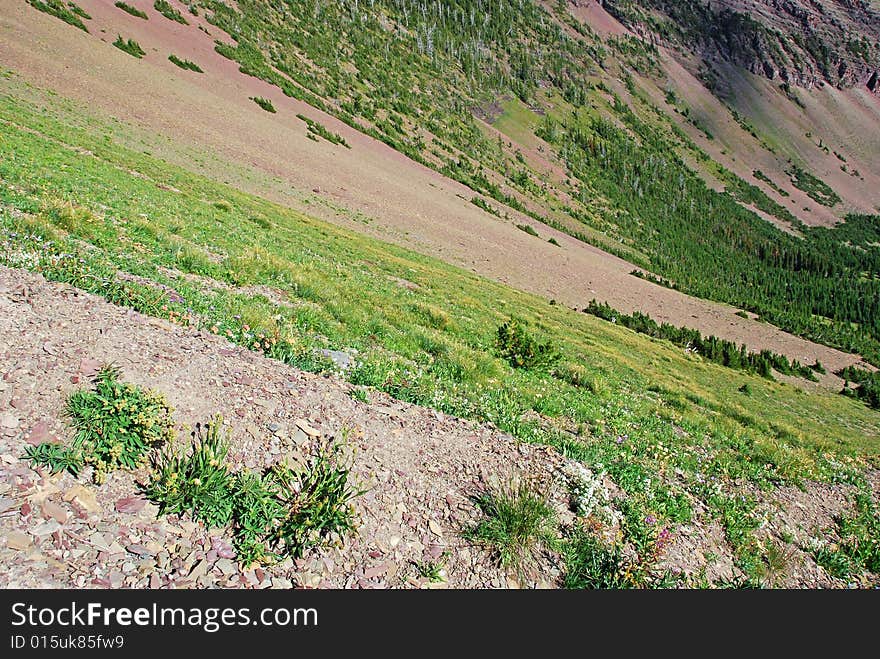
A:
(553, 241)
(185, 64)
(319, 130)
(169, 12)
(130, 46)
(115, 426)
(433, 571)
(517, 522)
(514, 344)
(134, 11)
(70, 14)
(264, 103)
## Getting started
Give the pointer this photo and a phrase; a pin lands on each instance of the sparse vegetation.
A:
(517, 523)
(320, 131)
(70, 13)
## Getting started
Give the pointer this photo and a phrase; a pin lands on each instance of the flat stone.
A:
(303, 425)
(18, 541)
(46, 528)
(39, 434)
(279, 583)
(435, 527)
(130, 505)
(84, 498)
(226, 566)
(89, 366)
(8, 420)
(52, 510)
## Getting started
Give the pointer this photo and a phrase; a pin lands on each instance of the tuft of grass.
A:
(169, 12)
(529, 229)
(517, 522)
(130, 46)
(184, 64)
(264, 103)
(70, 14)
(134, 11)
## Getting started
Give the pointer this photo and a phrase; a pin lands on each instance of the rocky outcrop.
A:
(805, 43)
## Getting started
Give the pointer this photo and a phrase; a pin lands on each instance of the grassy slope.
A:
(670, 429)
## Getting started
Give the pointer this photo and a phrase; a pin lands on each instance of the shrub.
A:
(529, 229)
(131, 47)
(134, 11)
(169, 12)
(185, 64)
(521, 350)
(517, 521)
(264, 103)
(70, 14)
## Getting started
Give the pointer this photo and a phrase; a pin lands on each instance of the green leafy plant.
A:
(197, 482)
(514, 344)
(56, 457)
(131, 47)
(517, 522)
(116, 423)
(591, 564)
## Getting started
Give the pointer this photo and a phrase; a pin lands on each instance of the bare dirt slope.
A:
(402, 201)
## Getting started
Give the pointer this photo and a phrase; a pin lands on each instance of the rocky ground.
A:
(419, 467)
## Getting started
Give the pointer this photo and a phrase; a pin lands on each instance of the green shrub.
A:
(70, 14)
(131, 47)
(56, 457)
(134, 11)
(169, 12)
(185, 64)
(521, 350)
(264, 103)
(529, 229)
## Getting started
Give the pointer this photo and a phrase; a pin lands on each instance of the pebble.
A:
(18, 541)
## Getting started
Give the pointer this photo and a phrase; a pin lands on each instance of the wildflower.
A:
(196, 481)
(650, 520)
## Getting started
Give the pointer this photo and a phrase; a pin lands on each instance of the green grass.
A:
(641, 407)
(184, 64)
(517, 522)
(134, 11)
(130, 46)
